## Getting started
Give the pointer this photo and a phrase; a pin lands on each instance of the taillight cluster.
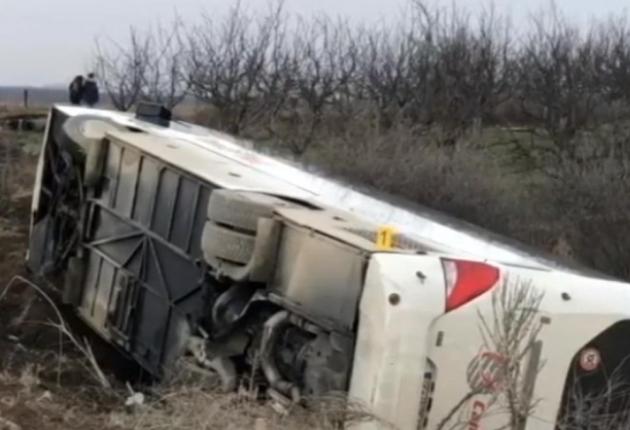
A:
(466, 280)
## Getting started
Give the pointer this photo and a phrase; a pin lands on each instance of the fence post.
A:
(25, 98)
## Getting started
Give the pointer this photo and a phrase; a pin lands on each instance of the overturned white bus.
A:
(172, 239)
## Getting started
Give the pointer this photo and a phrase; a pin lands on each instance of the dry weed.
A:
(82, 346)
(192, 400)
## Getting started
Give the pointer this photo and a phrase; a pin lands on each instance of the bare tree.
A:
(324, 61)
(276, 80)
(226, 64)
(149, 67)
(462, 68)
(123, 68)
(560, 78)
(386, 67)
(440, 68)
(165, 79)
(616, 76)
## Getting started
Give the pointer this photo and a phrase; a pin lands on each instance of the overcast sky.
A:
(49, 41)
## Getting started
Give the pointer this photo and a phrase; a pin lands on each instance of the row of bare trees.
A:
(149, 66)
(436, 67)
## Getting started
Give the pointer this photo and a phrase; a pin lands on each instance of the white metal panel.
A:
(395, 315)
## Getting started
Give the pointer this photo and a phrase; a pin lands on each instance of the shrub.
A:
(589, 197)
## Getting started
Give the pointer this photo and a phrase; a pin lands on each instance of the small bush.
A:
(467, 181)
(589, 199)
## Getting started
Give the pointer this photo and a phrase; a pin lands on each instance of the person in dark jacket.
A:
(90, 91)
(76, 90)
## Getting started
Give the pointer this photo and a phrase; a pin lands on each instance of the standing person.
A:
(76, 90)
(90, 91)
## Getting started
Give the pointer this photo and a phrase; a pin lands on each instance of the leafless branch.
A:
(82, 346)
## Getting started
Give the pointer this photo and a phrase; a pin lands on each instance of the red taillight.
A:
(466, 280)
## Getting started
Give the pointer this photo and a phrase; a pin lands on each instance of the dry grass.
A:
(194, 405)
